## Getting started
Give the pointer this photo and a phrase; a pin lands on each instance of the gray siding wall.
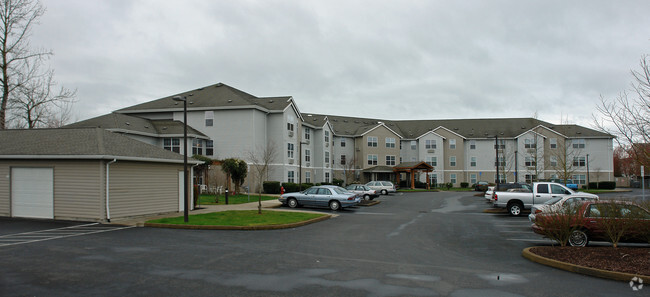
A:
(78, 187)
(138, 188)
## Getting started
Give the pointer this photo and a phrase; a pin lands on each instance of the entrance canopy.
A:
(411, 168)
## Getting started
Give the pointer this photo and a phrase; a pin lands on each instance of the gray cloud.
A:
(386, 59)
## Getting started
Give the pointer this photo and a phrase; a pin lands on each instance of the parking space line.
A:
(58, 233)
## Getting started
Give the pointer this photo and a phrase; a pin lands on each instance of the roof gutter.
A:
(108, 171)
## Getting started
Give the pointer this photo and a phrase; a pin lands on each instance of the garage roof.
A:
(80, 143)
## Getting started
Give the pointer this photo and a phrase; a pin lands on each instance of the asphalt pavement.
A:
(411, 244)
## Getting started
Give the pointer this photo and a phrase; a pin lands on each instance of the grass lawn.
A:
(206, 199)
(596, 191)
(241, 218)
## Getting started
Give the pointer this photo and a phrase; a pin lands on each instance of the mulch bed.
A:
(621, 259)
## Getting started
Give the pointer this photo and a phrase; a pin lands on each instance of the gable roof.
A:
(217, 96)
(466, 128)
(80, 143)
(117, 122)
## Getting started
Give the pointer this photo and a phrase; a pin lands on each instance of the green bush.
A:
(464, 185)
(607, 185)
(290, 187)
(593, 185)
(271, 187)
(420, 185)
(338, 182)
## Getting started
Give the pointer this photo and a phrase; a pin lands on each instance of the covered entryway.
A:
(411, 168)
(32, 192)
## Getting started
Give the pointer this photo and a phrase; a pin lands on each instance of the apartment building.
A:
(226, 122)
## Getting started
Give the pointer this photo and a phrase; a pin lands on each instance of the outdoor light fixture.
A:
(185, 174)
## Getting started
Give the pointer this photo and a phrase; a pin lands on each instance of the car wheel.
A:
(515, 209)
(293, 203)
(335, 205)
(578, 238)
(366, 197)
(384, 192)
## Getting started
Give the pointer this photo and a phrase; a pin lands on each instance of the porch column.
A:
(412, 180)
(428, 181)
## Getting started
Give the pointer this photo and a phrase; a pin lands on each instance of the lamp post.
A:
(185, 174)
(587, 172)
(516, 168)
(496, 149)
(300, 166)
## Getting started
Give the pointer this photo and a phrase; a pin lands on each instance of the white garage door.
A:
(32, 192)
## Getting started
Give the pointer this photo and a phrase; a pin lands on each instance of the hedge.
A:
(464, 185)
(271, 187)
(607, 185)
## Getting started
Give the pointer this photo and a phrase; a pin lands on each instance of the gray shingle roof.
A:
(80, 143)
(215, 96)
(124, 122)
(468, 128)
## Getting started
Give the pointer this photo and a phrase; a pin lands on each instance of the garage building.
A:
(63, 174)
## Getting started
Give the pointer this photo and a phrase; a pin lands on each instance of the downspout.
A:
(108, 210)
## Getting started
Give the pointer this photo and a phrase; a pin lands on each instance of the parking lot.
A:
(411, 244)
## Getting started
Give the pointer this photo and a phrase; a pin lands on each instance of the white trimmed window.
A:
(472, 161)
(308, 177)
(472, 144)
(209, 147)
(307, 156)
(578, 143)
(452, 144)
(291, 177)
(197, 146)
(390, 160)
(390, 142)
(430, 144)
(327, 136)
(307, 133)
(372, 141)
(530, 162)
(290, 150)
(553, 143)
(342, 142)
(453, 178)
(433, 161)
(553, 161)
(452, 161)
(172, 144)
(372, 159)
(209, 118)
(579, 161)
(414, 144)
(472, 178)
(529, 143)
(343, 161)
(327, 157)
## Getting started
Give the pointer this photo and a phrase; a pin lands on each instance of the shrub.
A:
(607, 185)
(449, 186)
(338, 182)
(271, 187)
(420, 185)
(307, 185)
(290, 187)
(614, 228)
(464, 185)
(559, 225)
(593, 185)
(402, 184)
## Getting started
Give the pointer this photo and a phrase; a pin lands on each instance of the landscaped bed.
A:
(242, 218)
(634, 260)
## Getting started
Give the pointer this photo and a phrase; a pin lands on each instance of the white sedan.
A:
(557, 203)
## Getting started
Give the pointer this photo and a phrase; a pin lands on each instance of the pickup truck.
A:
(516, 202)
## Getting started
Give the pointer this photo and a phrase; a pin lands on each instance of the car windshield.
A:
(553, 201)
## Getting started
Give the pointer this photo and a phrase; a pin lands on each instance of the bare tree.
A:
(25, 86)
(36, 104)
(564, 155)
(628, 116)
(261, 159)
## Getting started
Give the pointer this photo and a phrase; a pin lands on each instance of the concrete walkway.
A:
(140, 220)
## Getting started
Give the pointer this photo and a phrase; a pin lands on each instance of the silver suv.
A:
(383, 187)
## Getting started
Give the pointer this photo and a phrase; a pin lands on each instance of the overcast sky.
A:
(378, 59)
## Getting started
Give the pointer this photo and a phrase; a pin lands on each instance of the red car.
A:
(592, 217)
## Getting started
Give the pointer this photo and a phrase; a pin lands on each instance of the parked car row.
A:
(583, 216)
(336, 197)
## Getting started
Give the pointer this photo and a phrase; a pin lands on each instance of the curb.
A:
(494, 210)
(371, 203)
(618, 276)
(261, 227)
